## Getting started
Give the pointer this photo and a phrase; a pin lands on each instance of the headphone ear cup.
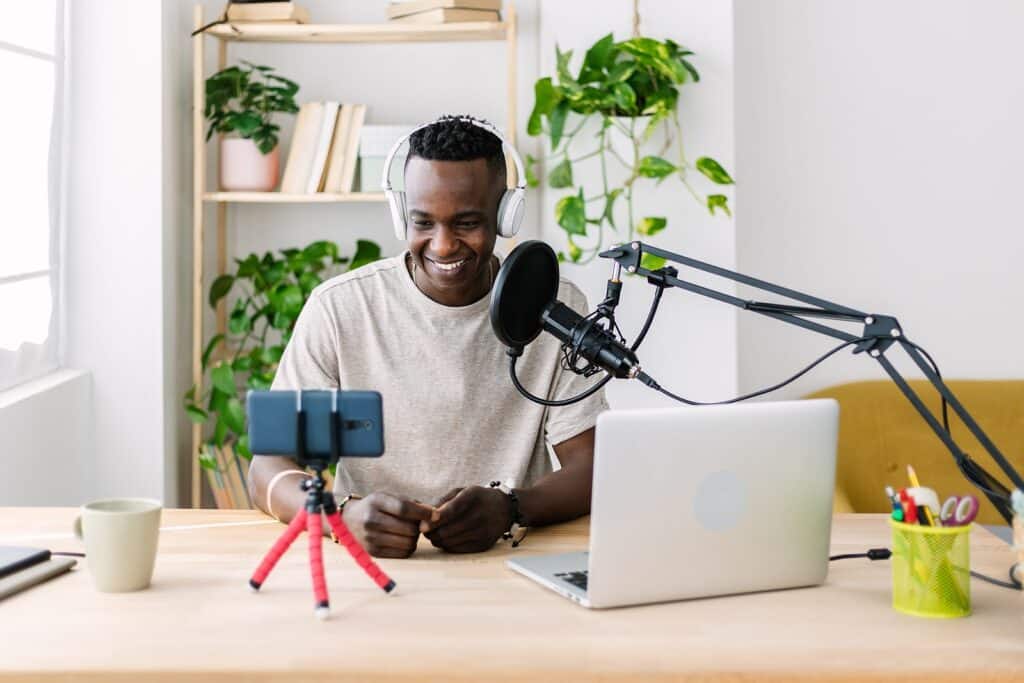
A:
(396, 202)
(510, 212)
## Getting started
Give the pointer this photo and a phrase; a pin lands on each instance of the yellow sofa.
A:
(880, 433)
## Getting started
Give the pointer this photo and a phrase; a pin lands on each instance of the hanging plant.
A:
(631, 88)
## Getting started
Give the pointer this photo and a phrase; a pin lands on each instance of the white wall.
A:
(119, 277)
(692, 347)
(878, 154)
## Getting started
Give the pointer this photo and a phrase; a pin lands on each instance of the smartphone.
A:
(273, 423)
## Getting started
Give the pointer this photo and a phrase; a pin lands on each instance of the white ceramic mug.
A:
(120, 536)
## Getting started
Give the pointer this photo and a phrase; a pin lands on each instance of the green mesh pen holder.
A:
(931, 570)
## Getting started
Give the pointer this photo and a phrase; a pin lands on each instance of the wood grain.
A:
(470, 618)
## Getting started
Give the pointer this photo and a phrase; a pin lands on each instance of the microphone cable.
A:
(607, 378)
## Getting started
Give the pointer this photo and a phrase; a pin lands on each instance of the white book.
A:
(314, 182)
(303, 146)
(336, 159)
(352, 147)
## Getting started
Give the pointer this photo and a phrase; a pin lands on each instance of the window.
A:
(32, 64)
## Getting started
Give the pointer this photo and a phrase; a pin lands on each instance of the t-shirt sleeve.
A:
(566, 422)
(310, 360)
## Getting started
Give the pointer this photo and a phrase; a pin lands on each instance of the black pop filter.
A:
(527, 283)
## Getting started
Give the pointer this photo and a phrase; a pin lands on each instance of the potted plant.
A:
(269, 292)
(240, 101)
(630, 91)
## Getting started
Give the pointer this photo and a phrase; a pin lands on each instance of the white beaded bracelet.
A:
(270, 489)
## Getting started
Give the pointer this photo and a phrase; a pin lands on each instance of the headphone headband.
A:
(385, 182)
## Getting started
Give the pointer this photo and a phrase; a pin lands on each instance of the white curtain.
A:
(33, 65)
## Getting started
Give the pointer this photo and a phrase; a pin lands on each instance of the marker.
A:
(912, 475)
(897, 509)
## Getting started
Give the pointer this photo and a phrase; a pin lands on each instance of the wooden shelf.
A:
(279, 198)
(396, 32)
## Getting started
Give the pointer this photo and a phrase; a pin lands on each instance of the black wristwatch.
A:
(517, 528)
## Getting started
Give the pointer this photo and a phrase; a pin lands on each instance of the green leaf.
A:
(651, 225)
(210, 346)
(260, 382)
(574, 252)
(366, 252)
(652, 262)
(569, 212)
(625, 98)
(561, 175)
(655, 167)
(196, 414)
(546, 96)
(224, 378)
(561, 257)
(309, 281)
(218, 399)
(621, 71)
(718, 201)
(242, 447)
(281, 321)
(562, 60)
(206, 459)
(219, 289)
(558, 116)
(234, 416)
(239, 322)
(290, 300)
(533, 124)
(220, 431)
(242, 364)
(531, 177)
(714, 171)
(599, 54)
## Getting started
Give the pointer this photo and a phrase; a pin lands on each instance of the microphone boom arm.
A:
(880, 333)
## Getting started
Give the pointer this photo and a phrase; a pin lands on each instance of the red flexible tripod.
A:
(318, 501)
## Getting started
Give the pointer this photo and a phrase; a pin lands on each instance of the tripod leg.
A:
(358, 553)
(316, 565)
(280, 546)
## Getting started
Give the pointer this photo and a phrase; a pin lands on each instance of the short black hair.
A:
(453, 138)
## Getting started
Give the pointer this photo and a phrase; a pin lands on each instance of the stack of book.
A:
(444, 11)
(267, 13)
(324, 148)
(227, 481)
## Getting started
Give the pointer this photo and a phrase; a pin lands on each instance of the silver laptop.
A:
(695, 502)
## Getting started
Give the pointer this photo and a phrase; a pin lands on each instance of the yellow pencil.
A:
(912, 475)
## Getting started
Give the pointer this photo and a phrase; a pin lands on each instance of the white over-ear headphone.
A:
(510, 208)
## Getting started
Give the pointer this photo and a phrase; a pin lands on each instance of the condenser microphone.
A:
(524, 303)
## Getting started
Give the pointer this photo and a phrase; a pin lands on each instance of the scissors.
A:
(959, 510)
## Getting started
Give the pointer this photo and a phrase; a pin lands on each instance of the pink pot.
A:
(244, 168)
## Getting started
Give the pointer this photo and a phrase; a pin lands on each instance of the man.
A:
(416, 328)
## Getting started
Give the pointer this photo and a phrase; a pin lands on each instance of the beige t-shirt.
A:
(451, 415)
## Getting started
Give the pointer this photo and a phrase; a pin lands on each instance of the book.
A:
(300, 155)
(216, 482)
(401, 9)
(222, 478)
(234, 478)
(278, 12)
(318, 165)
(348, 172)
(449, 16)
(336, 157)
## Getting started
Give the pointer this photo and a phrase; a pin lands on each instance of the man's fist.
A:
(470, 520)
(386, 525)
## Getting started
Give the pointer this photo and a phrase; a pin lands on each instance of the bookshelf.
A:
(223, 35)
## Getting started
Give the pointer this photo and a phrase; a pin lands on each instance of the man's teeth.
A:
(449, 266)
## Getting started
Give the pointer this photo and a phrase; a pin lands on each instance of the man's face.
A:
(452, 208)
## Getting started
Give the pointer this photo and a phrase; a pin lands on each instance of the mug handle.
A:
(77, 527)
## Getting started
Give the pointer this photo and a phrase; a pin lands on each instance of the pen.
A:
(912, 475)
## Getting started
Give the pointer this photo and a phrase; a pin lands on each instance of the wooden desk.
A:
(469, 618)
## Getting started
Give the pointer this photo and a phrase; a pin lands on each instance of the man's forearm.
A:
(559, 496)
(288, 497)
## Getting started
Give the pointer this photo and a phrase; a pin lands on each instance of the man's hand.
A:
(470, 520)
(386, 525)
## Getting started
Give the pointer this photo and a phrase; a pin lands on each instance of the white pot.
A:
(619, 141)
(243, 168)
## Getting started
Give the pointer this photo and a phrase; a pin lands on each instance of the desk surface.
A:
(469, 618)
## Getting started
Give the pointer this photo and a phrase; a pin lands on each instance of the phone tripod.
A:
(318, 502)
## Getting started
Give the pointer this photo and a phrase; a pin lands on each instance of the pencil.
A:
(912, 475)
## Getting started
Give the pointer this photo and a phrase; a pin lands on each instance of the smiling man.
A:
(416, 328)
